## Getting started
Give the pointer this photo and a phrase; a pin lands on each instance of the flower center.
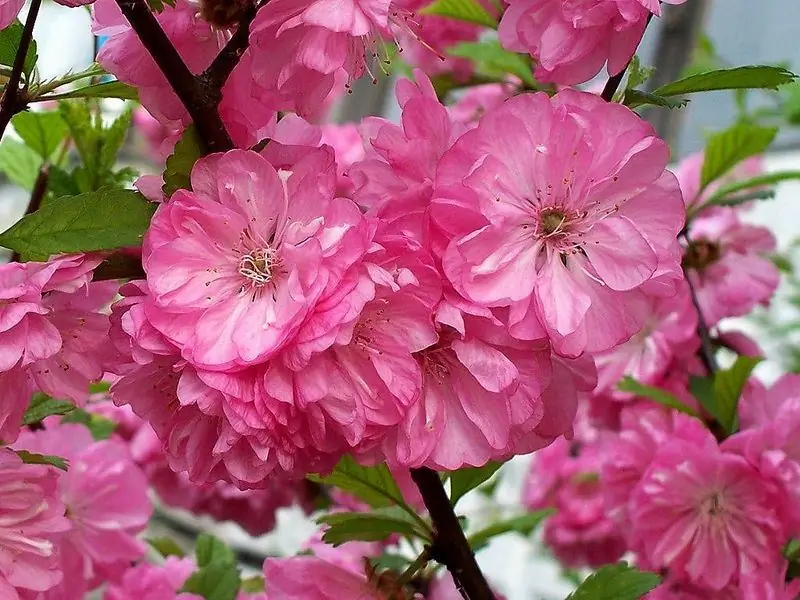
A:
(713, 504)
(701, 253)
(552, 221)
(258, 266)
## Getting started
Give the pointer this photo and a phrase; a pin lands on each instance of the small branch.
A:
(200, 100)
(223, 65)
(612, 85)
(11, 103)
(706, 349)
(450, 546)
(419, 563)
(37, 195)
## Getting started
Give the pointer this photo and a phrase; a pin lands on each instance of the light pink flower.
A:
(476, 100)
(569, 220)
(349, 149)
(236, 266)
(571, 41)
(105, 495)
(726, 261)
(32, 520)
(706, 515)
(760, 406)
(314, 578)
(151, 582)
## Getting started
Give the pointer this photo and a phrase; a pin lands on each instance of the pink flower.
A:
(313, 578)
(549, 219)
(476, 100)
(760, 406)
(726, 261)
(349, 149)
(32, 520)
(105, 495)
(566, 476)
(151, 582)
(9, 9)
(571, 41)
(706, 515)
(236, 266)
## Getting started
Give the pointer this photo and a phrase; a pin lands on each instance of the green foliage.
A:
(101, 220)
(20, 163)
(43, 406)
(523, 524)
(728, 148)
(100, 427)
(373, 485)
(372, 526)
(467, 479)
(254, 585)
(731, 194)
(637, 98)
(10, 38)
(749, 77)
(616, 582)
(41, 131)
(495, 62)
(628, 384)
(461, 10)
(720, 395)
(217, 576)
(32, 458)
(106, 89)
(179, 164)
(166, 546)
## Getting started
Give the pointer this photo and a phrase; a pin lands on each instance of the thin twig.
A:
(37, 195)
(450, 546)
(200, 100)
(223, 65)
(11, 103)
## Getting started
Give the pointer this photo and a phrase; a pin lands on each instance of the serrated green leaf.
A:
(728, 148)
(468, 478)
(728, 385)
(20, 163)
(636, 98)
(166, 546)
(107, 89)
(372, 526)
(10, 38)
(217, 581)
(41, 131)
(523, 524)
(210, 550)
(462, 10)
(188, 151)
(101, 220)
(100, 427)
(616, 582)
(494, 61)
(628, 384)
(749, 77)
(43, 406)
(373, 485)
(32, 458)
(725, 194)
(113, 140)
(638, 73)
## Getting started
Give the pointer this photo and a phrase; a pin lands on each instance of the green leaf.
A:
(107, 89)
(100, 427)
(368, 527)
(468, 478)
(728, 385)
(462, 10)
(166, 546)
(43, 406)
(373, 485)
(494, 61)
(33, 458)
(523, 524)
(391, 561)
(179, 165)
(20, 163)
(41, 131)
(616, 582)
(702, 389)
(254, 584)
(628, 384)
(723, 196)
(101, 220)
(217, 581)
(113, 140)
(636, 98)
(10, 37)
(210, 550)
(749, 77)
(728, 148)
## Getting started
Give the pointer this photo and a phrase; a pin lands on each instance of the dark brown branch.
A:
(450, 546)
(223, 65)
(706, 352)
(37, 195)
(11, 102)
(200, 100)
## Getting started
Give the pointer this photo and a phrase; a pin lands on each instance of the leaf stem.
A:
(419, 563)
(450, 546)
(11, 103)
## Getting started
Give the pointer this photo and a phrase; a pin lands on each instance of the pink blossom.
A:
(160, 139)
(151, 582)
(726, 261)
(476, 100)
(760, 406)
(566, 476)
(706, 515)
(314, 578)
(548, 219)
(32, 521)
(349, 149)
(571, 41)
(9, 11)
(105, 495)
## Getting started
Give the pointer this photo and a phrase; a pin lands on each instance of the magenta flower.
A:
(314, 578)
(31, 521)
(706, 515)
(151, 582)
(571, 232)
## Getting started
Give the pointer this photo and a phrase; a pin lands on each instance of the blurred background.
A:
(738, 32)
